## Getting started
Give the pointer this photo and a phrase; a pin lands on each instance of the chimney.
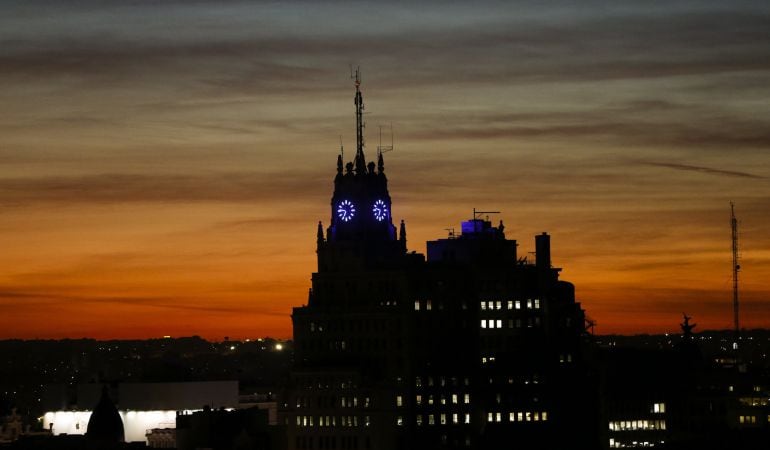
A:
(543, 251)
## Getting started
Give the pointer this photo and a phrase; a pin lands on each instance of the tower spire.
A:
(360, 160)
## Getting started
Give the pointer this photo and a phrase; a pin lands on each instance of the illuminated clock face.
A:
(380, 210)
(346, 210)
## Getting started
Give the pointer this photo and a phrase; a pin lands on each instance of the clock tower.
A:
(361, 205)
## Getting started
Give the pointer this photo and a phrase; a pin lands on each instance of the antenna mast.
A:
(736, 269)
(359, 102)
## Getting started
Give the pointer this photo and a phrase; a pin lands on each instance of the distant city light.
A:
(279, 346)
(232, 347)
(166, 337)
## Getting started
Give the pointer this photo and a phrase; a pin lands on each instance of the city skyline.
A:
(164, 166)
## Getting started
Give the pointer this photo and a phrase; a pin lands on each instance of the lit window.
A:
(484, 305)
(427, 305)
(467, 399)
(455, 419)
(419, 419)
(498, 417)
(519, 416)
(536, 416)
(529, 303)
(454, 399)
(510, 304)
(528, 416)
(443, 419)
(499, 305)
(416, 305)
(443, 399)
(467, 418)
(518, 304)
(400, 421)
(537, 303)
(431, 420)
(490, 417)
(544, 415)
(483, 323)
(430, 399)
(511, 417)
(399, 401)
(659, 408)
(299, 420)
(418, 400)
(499, 323)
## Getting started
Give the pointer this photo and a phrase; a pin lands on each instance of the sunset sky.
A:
(163, 165)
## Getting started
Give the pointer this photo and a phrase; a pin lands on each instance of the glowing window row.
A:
(530, 303)
(518, 416)
(658, 408)
(441, 381)
(632, 444)
(439, 419)
(440, 399)
(633, 425)
(332, 421)
(517, 323)
(748, 419)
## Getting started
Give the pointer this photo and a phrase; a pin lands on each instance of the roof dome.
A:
(105, 424)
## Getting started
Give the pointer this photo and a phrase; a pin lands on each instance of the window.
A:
(419, 420)
(399, 401)
(431, 420)
(454, 399)
(518, 304)
(399, 421)
(417, 382)
(484, 305)
(467, 418)
(499, 305)
(443, 419)
(427, 305)
(418, 400)
(490, 417)
(430, 399)
(537, 303)
(467, 398)
(511, 417)
(499, 323)
(483, 323)
(659, 408)
(529, 303)
(498, 417)
(416, 305)
(455, 419)
(544, 415)
(510, 304)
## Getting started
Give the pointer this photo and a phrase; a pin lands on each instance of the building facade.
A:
(471, 347)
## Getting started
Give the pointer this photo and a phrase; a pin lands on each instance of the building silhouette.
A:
(471, 347)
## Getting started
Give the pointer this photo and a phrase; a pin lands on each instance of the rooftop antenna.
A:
(450, 232)
(736, 268)
(385, 148)
(478, 214)
(342, 149)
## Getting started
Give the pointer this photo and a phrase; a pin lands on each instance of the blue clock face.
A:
(380, 210)
(346, 210)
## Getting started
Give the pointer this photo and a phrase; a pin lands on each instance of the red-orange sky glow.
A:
(163, 166)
